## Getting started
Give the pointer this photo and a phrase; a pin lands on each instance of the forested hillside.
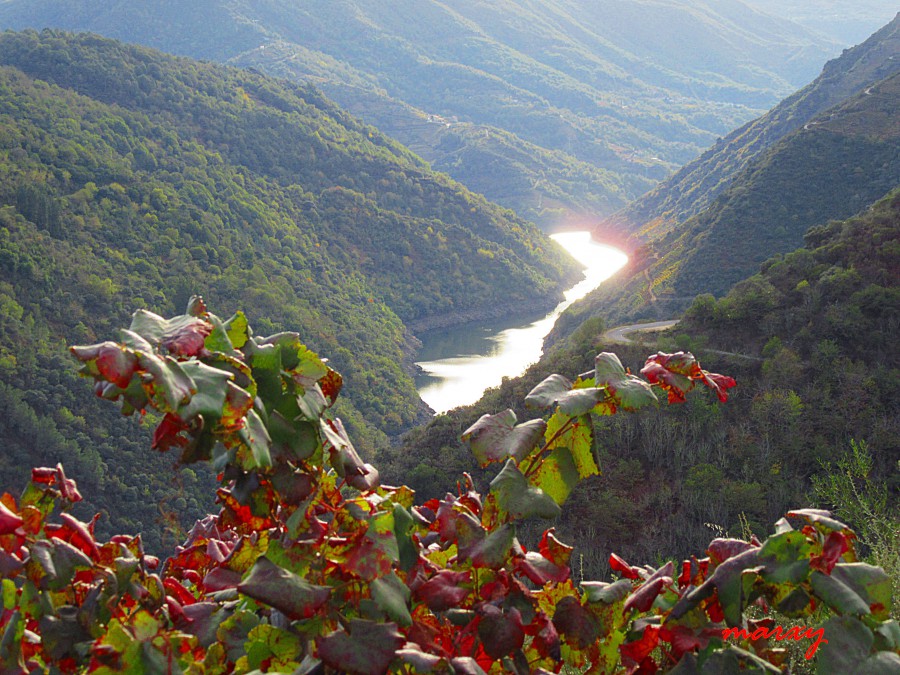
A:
(830, 169)
(816, 363)
(132, 180)
(527, 103)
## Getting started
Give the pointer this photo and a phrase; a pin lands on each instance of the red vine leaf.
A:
(554, 550)
(677, 373)
(168, 433)
(721, 550)
(107, 360)
(9, 521)
(835, 546)
(500, 633)
(444, 590)
(56, 478)
(575, 622)
(368, 649)
(642, 599)
(287, 592)
(618, 565)
(636, 651)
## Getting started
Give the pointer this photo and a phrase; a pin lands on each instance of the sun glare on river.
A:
(458, 371)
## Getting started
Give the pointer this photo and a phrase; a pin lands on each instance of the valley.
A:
(536, 288)
(122, 196)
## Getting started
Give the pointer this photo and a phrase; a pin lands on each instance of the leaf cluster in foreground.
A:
(311, 565)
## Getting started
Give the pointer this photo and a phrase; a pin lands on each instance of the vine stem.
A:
(538, 459)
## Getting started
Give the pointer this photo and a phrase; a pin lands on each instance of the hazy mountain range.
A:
(848, 21)
(559, 110)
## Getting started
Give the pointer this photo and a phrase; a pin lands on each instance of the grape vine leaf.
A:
(368, 649)
(494, 438)
(283, 590)
(517, 497)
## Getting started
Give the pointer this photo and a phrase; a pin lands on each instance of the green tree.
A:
(848, 487)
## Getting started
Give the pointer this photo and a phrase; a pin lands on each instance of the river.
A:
(459, 363)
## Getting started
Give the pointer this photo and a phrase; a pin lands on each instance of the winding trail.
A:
(652, 294)
(621, 333)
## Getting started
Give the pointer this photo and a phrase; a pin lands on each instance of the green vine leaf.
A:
(517, 497)
(238, 330)
(625, 391)
(837, 595)
(211, 386)
(392, 596)
(557, 390)
(571, 458)
(786, 558)
(494, 438)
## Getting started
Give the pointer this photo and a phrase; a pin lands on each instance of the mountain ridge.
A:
(827, 152)
(696, 184)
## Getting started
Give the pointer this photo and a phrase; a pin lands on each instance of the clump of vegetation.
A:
(850, 488)
(311, 565)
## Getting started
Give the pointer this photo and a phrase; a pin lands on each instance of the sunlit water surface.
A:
(459, 363)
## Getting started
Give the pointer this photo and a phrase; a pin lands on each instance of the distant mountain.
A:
(528, 103)
(132, 179)
(825, 153)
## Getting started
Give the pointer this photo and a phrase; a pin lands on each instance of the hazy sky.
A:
(848, 21)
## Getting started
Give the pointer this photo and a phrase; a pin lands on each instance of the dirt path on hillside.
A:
(621, 333)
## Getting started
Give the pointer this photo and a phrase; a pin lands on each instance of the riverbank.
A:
(499, 312)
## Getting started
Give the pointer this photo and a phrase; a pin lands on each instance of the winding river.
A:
(459, 363)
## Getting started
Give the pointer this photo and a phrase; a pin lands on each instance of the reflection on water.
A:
(459, 363)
